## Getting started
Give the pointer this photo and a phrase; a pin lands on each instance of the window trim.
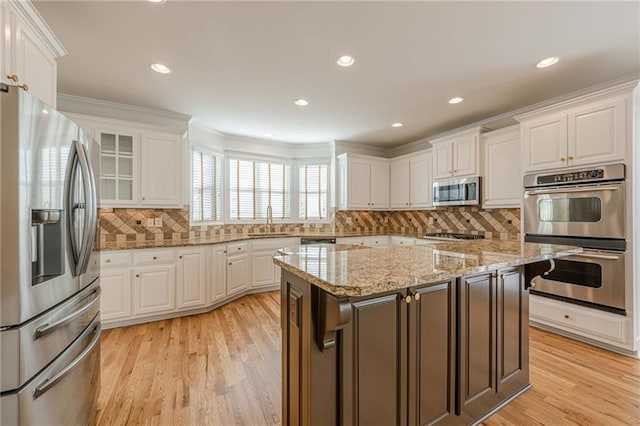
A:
(213, 153)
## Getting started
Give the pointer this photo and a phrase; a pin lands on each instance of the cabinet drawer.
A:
(115, 259)
(237, 248)
(154, 257)
(273, 243)
(598, 325)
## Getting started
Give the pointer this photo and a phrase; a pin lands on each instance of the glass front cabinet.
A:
(118, 167)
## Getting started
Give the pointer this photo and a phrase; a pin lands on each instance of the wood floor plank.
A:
(223, 368)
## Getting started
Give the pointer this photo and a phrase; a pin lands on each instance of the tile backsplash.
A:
(122, 224)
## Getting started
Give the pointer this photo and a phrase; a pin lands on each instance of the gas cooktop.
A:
(452, 236)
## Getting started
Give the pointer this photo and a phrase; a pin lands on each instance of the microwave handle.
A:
(572, 190)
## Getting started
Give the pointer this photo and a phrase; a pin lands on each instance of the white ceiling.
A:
(238, 66)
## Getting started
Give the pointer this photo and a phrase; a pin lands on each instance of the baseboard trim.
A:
(502, 405)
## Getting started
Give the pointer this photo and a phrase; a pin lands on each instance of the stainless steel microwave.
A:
(457, 192)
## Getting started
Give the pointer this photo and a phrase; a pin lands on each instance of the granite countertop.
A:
(318, 249)
(221, 239)
(377, 270)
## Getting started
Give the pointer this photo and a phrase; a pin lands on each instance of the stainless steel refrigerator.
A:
(49, 266)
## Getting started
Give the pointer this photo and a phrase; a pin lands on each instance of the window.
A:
(313, 191)
(254, 185)
(206, 187)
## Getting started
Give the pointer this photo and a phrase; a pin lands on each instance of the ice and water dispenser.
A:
(47, 245)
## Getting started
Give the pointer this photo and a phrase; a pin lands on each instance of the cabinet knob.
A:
(137, 275)
(13, 78)
(225, 252)
(144, 198)
(566, 316)
(416, 296)
(407, 299)
(155, 257)
(570, 158)
(108, 261)
(563, 159)
(179, 257)
(230, 263)
(239, 248)
(24, 87)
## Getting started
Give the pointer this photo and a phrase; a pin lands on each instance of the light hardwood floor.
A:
(223, 368)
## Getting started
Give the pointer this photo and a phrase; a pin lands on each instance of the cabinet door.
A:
(161, 159)
(238, 273)
(465, 156)
(400, 188)
(218, 273)
(442, 161)
(513, 332)
(432, 354)
(118, 167)
(597, 132)
(262, 269)
(502, 180)
(5, 30)
(477, 343)
(421, 181)
(374, 362)
(33, 63)
(544, 143)
(115, 299)
(191, 278)
(154, 290)
(358, 183)
(379, 185)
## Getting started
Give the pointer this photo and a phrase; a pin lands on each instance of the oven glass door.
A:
(595, 211)
(595, 277)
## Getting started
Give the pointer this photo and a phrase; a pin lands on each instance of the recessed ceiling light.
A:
(397, 124)
(161, 68)
(268, 135)
(345, 61)
(455, 100)
(45, 112)
(301, 102)
(547, 62)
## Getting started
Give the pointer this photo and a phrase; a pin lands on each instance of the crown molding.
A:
(32, 17)
(114, 110)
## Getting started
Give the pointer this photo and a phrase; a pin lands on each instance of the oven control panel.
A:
(578, 176)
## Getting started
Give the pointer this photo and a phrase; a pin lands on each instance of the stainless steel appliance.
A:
(49, 270)
(583, 208)
(457, 192)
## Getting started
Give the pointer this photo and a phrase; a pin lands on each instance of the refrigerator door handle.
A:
(90, 209)
(70, 204)
(51, 382)
(48, 328)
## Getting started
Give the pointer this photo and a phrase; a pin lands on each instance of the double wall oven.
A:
(583, 208)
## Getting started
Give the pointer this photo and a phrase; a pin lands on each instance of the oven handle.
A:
(572, 190)
(596, 256)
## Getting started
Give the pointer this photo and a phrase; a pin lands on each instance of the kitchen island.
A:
(406, 335)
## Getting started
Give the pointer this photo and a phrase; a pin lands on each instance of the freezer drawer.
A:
(65, 392)
(27, 349)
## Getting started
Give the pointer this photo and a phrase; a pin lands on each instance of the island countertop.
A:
(345, 273)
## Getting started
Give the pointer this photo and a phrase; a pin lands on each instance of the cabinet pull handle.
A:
(137, 275)
(13, 78)
(24, 87)
(407, 299)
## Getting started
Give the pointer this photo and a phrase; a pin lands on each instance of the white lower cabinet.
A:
(402, 241)
(218, 273)
(154, 289)
(376, 241)
(238, 273)
(115, 298)
(192, 280)
(262, 269)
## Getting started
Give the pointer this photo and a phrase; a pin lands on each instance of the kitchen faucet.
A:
(269, 218)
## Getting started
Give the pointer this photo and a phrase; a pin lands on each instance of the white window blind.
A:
(254, 185)
(206, 187)
(313, 191)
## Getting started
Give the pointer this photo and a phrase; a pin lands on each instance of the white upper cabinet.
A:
(502, 183)
(161, 170)
(28, 51)
(363, 182)
(588, 130)
(411, 181)
(456, 155)
(140, 164)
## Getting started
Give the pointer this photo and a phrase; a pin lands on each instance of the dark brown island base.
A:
(406, 335)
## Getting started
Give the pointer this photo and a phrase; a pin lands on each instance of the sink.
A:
(269, 234)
